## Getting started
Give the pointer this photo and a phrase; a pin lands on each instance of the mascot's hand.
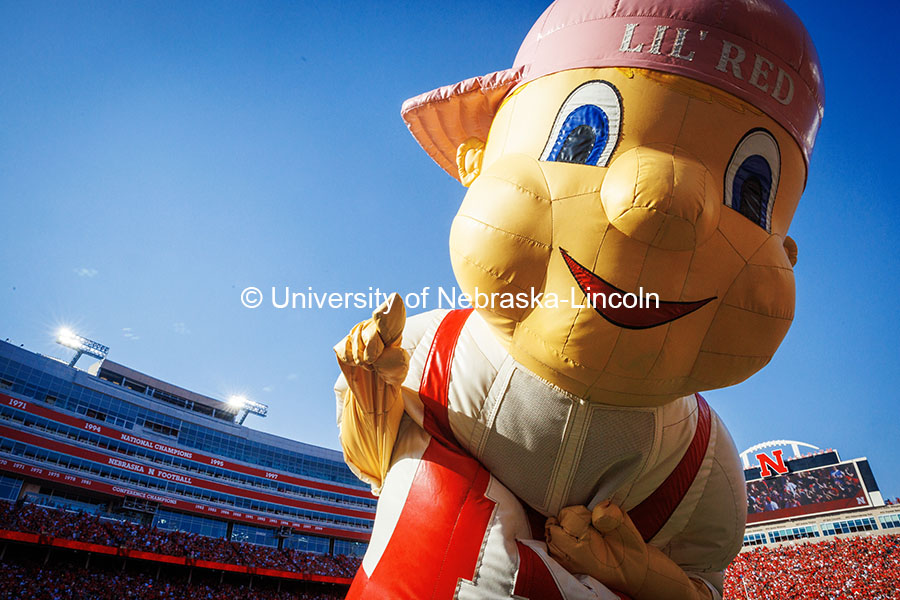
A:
(374, 365)
(605, 544)
(374, 344)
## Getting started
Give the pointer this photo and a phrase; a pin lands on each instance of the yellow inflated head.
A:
(631, 181)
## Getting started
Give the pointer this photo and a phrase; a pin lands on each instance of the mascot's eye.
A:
(751, 179)
(587, 126)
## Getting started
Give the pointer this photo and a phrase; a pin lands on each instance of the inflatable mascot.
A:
(631, 180)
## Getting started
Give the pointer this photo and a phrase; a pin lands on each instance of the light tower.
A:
(81, 345)
(245, 406)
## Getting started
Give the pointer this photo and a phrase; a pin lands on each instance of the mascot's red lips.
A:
(645, 315)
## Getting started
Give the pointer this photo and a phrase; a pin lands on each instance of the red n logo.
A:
(765, 462)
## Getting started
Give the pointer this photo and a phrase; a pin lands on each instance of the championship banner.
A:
(113, 433)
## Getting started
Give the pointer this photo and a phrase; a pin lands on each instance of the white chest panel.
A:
(554, 450)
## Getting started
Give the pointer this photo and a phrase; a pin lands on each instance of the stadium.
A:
(116, 484)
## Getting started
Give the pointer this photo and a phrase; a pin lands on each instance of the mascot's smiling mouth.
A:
(644, 313)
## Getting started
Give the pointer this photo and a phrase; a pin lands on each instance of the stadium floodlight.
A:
(245, 406)
(81, 345)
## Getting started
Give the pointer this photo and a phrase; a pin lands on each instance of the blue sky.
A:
(158, 158)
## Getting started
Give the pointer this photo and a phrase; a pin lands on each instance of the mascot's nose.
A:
(662, 196)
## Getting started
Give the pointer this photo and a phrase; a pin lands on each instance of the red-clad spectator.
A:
(864, 568)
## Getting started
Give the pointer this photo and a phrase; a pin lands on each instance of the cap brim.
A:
(442, 119)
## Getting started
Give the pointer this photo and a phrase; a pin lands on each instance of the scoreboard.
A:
(817, 483)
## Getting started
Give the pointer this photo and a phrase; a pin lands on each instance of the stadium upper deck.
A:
(113, 440)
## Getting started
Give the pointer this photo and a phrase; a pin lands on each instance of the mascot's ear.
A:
(790, 248)
(468, 160)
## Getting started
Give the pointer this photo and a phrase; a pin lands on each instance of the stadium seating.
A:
(857, 568)
(65, 581)
(91, 528)
(864, 568)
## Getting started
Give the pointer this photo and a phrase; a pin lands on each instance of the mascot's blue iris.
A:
(583, 136)
(751, 189)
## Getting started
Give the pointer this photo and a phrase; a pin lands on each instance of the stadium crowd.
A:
(864, 568)
(90, 528)
(33, 581)
(801, 489)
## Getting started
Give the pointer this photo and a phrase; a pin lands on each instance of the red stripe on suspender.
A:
(533, 580)
(435, 384)
(650, 515)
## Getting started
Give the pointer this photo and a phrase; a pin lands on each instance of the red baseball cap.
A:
(757, 50)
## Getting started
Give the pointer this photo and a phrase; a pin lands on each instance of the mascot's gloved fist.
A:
(605, 544)
(374, 344)
(374, 366)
